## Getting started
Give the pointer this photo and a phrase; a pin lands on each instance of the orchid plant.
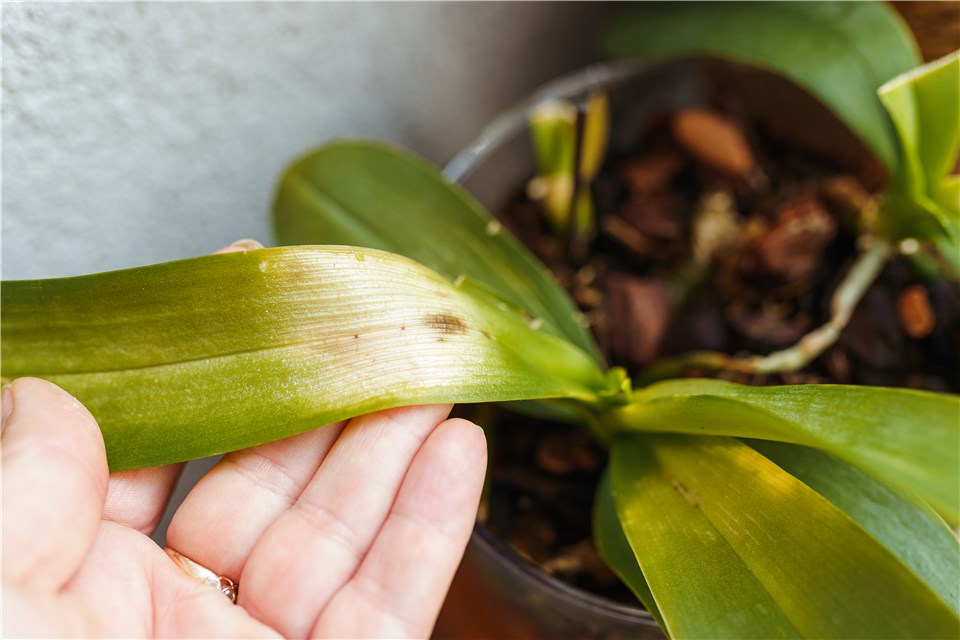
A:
(730, 510)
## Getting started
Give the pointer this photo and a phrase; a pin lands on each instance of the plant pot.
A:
(496, 592)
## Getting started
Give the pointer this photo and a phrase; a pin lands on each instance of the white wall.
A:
(139, 133)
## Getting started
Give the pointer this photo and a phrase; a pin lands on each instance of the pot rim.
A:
(505, 126)
(512, 121)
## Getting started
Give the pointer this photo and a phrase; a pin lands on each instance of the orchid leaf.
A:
(908, 439)
(914, 533)
(217, 353)
(733, 546)
(614, 548)
(840, 52)
(374, 195)
(924, 105)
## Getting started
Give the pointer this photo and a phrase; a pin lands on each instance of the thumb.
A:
(54, 483)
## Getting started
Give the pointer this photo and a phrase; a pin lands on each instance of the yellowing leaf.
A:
(212, 354)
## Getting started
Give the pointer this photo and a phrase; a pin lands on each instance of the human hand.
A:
(353, 530)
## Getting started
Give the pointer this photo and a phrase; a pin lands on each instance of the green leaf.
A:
(924, 105)
(948, 194)
(614, 548)
(841, 52)
(370, 194)
(732, 546)
(914, 533)
(212, 354)
(909, 439)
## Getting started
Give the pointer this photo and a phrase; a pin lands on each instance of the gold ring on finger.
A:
(200, 573)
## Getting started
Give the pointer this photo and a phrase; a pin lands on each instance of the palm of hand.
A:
(351, 530)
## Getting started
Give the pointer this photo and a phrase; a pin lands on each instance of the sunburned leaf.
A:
(732, 546)
(841, 52)
(374, 195)
(212, 354)
(909, 439)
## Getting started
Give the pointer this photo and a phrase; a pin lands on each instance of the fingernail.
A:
(247, 244)
(6, 399)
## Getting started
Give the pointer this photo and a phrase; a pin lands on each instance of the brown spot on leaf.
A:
(681, 488)
(445, 323)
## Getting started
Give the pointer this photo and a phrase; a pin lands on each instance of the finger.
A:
(138, 498)
(314, 548)
(54, 483)
(203, 612)
(113, 586)
(231, 507)
(399, 587)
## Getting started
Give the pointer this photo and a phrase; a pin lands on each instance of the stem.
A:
(859, 278)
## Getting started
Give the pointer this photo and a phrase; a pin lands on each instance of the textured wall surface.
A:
(138, 133)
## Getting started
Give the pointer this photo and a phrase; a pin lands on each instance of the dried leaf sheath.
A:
(212, 354)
